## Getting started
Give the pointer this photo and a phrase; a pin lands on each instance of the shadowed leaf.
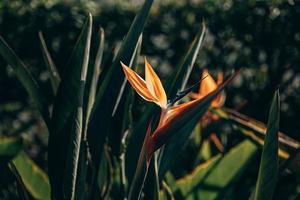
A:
(65, 133)
(9, 147)
(209, 181)
(110, 86)
(54, 75)
(268, 169)
(32, 87)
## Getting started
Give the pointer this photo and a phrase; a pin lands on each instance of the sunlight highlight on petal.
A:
(138, 84)
(154, 85)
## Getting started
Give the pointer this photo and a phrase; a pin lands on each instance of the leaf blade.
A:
(109, 90)
(25, 77)
(209, 180)
(10, 147)
(63, 138)
(268, 169)
(52, 69)
(34, 178)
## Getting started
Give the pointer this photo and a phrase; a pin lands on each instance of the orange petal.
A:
(208, 84)
(138, 84)
(182, 108)
(220, 78)
(154, 85)
(194, 95)
(219, 100)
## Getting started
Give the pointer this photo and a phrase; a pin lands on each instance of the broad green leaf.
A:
(268, 169)
(211, 179)
(65, 133)
(23, 74)
(9, 147)
(54, 75)
(177, 82)
(110, 86)
(34, 178)
(83, 162)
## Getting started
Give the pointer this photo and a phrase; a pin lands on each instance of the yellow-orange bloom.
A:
(208, 84)
(150, 89)
(174, 117)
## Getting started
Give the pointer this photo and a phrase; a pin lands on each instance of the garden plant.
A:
(99, 149)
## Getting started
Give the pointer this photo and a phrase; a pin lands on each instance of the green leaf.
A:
(83, 162)
(122, 115)
(25, 77)
(10, 147)
(34, 178)
(151, 188)
(65, 133)
(141, 169)
(268, 169)
(257, 127)
(54, 75)
(95, 77)
(73, 155)
(182, 73)
(109, 90)
(210, 180)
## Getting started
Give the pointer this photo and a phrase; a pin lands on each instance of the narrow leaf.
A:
(109, 89)
(268, 169)
(95, 77)
(184, 69)
(54, 75)
(83, 156)
(26, 78)
(258, 127)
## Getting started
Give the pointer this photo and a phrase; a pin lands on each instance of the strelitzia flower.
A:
(207, 85)
(149, 89)
(173, 117)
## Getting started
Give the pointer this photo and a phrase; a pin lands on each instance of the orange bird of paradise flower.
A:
(207, 86)
(172, 116)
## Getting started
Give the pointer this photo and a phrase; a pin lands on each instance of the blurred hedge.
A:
(261, 36)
